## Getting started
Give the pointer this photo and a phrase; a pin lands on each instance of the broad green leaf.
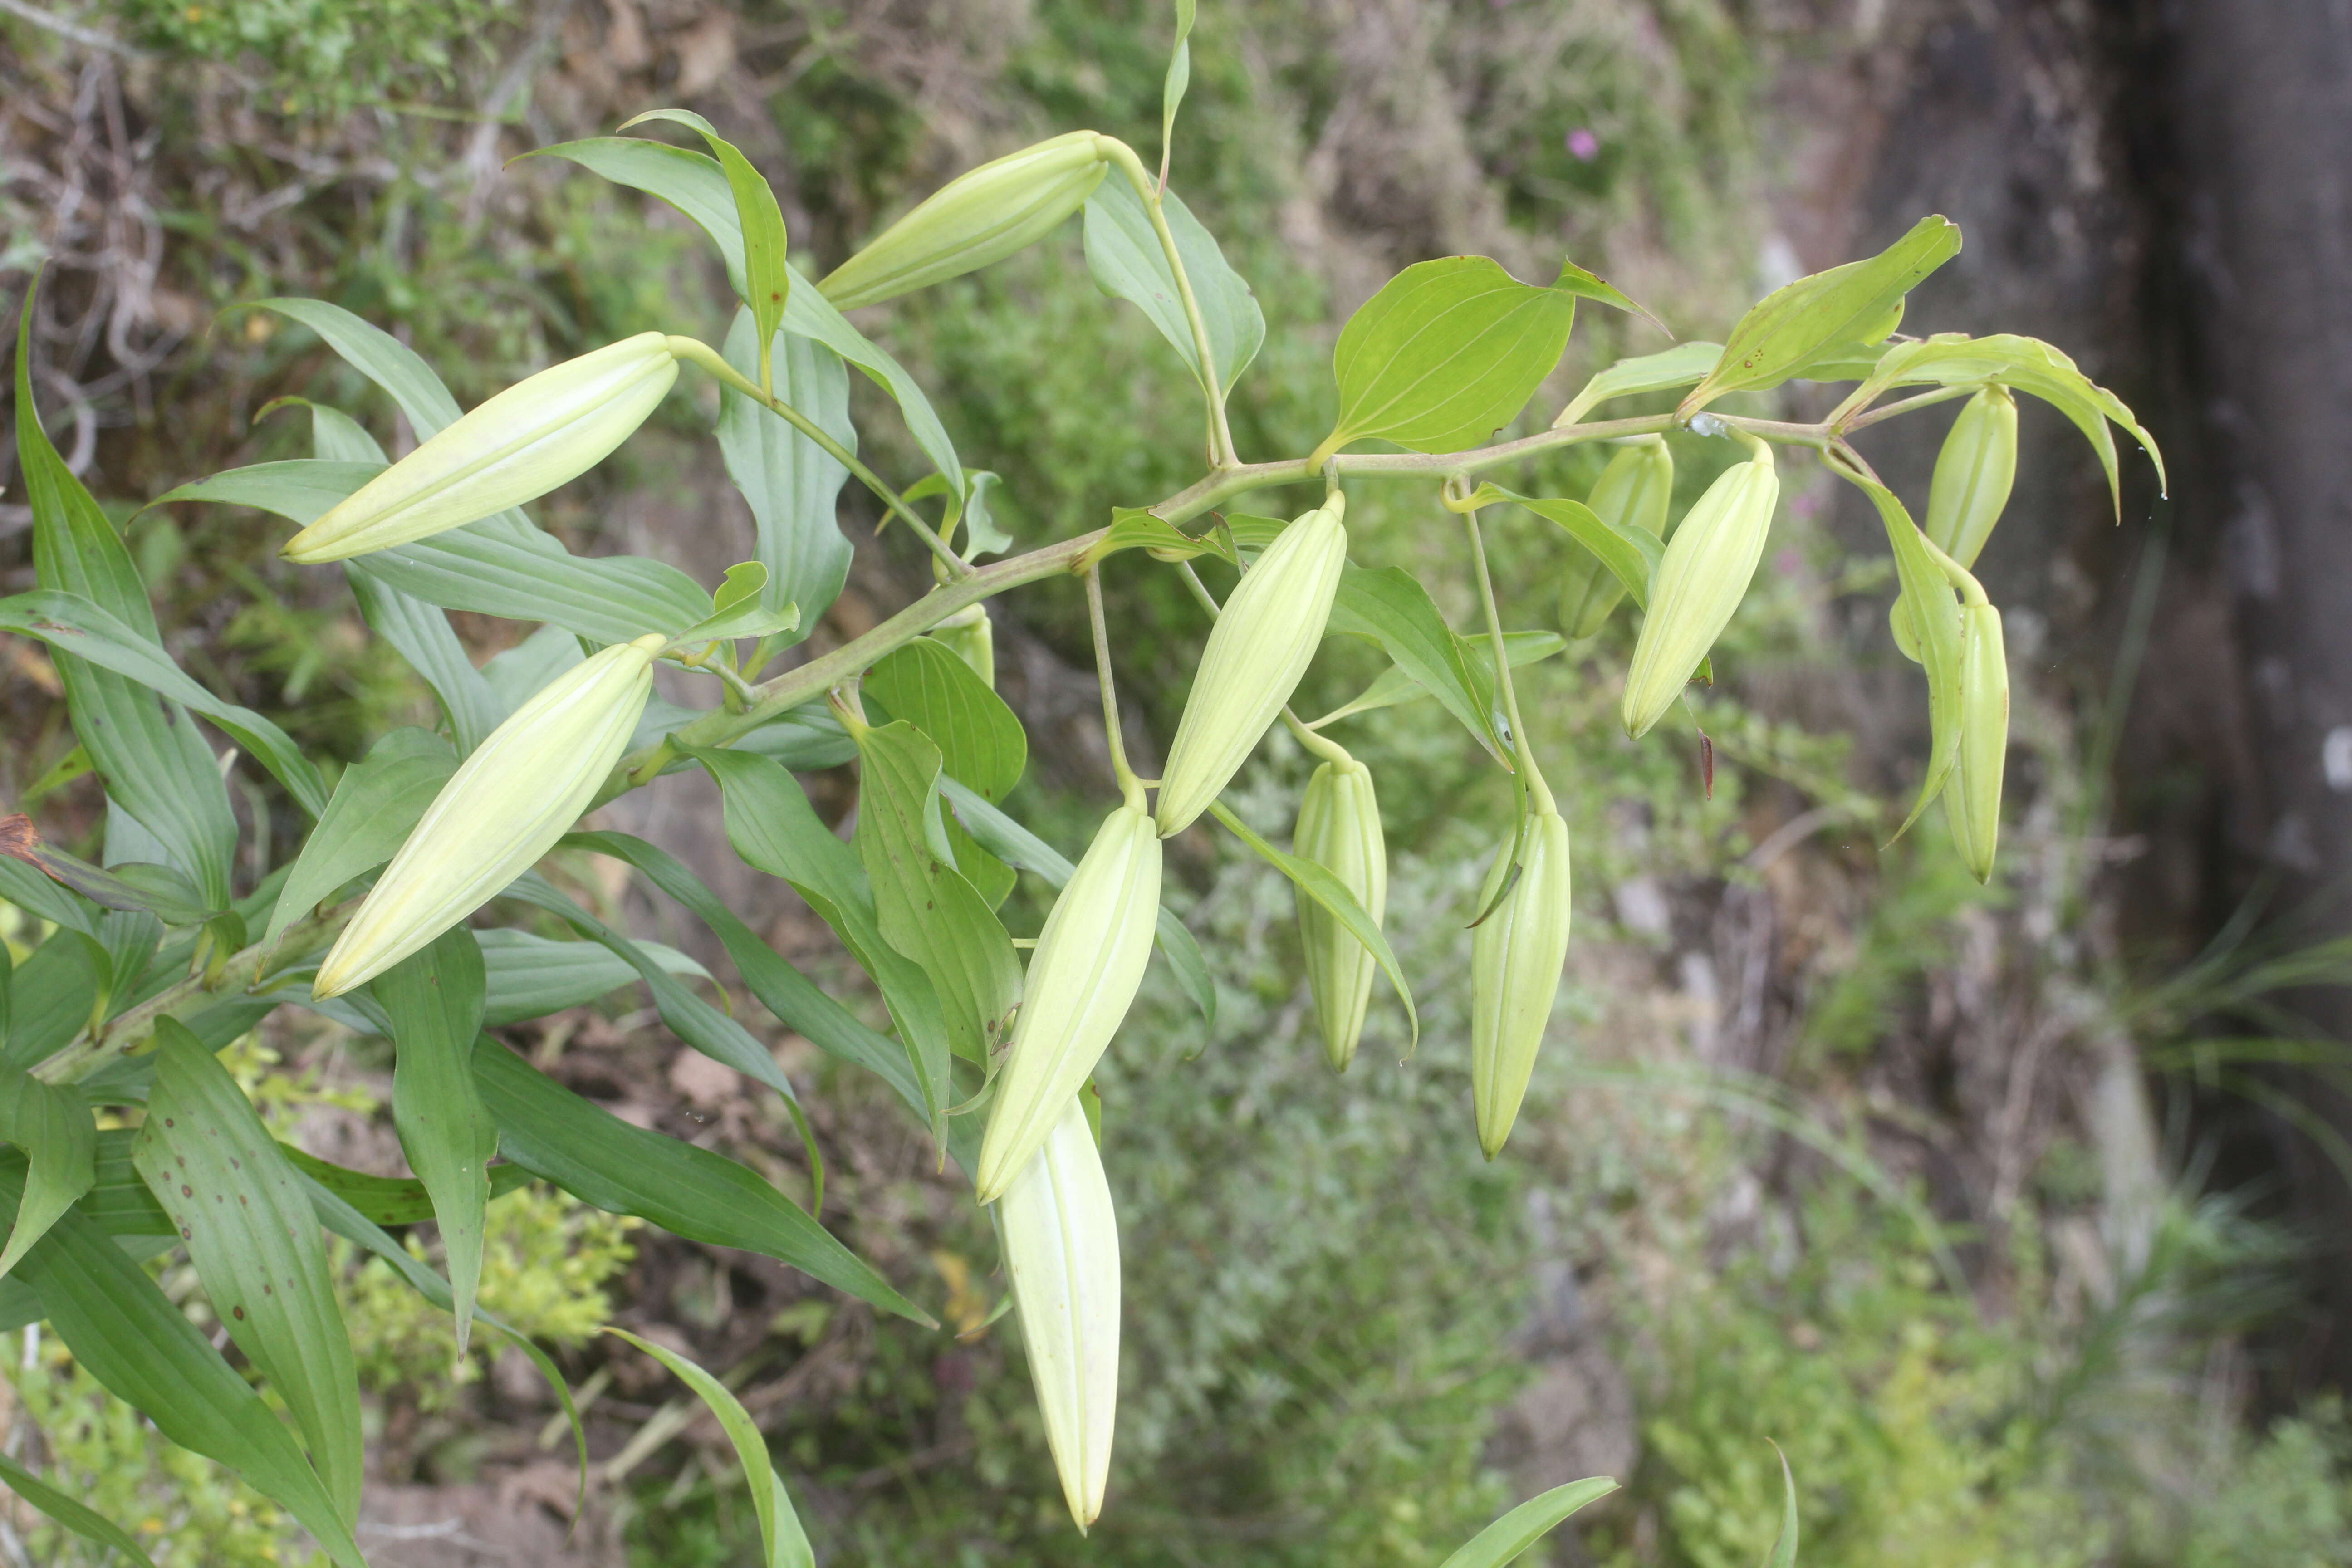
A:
(240, 1208)
(376, 803)
(51, 1122)
(1631, 553)
(1136, 528)
(1179, 76)
(391, 1200)
(94, 1528)
(53, 994)
(1124, 253)
(1784, 1545)
(1394, 686)
(1502, 1541)
(1681, 365)
(25, 885)
(1317, 883)
(980, 742)
(1016, 846)
(1791, 326)
(790, 484)
(1393, 610)
(531, 976)
(760, 222)
(784, 1544)
(1445, 354)
(605, 1163)
(923, 906)
(434, 1001)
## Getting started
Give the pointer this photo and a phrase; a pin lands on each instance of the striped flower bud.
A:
(1257, 650)
(1061, 1249)
(1700, 580)
(1339, 830)
(1973, 474)
(1082, 978)
(969, 636)
(505, 806)
(1631, 493)
(1972, 797)
(536, 435)
(982, 216)
(1516, 958)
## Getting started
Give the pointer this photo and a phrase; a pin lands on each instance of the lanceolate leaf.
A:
(51, 1125)
(1396, 611)
(766, 281)
(603, 1161)
(1138, 527)
(434, 999)
(90, 1527)
(1631, 553)
(1124, 253)
(531, 976)
(1179, 76)
(784, 1544)
(1502, 1541)
(788, 483)
(1680, 366)
(240, 1207)
(1394, 686)
(376, 803)
(980, 742)
(1784, 1545)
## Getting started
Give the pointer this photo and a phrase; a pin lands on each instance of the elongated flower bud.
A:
(1257, 650)
(1516, 958)
(1700, 580)
(1060, 1248)
(504, 807)
(1973, 474)
(1082, 978)
(982, 216)
(536, 435)
(1339, 830)
(1972, 797)
(1633, 492)
(973, 640)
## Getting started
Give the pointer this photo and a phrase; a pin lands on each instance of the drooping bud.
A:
(970, 637)
(1082, 979)
(538, 434)
(1259, 647)
(1973, 475)
(1515, 959)
(1339, 830)
(982, 216)
(1700, 580)
(505, 806)
(1972, 797)
(1061, 1249)
(1631, 493)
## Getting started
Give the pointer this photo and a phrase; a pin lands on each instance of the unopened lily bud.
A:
(1631, 493)
(538, 434)
(1061, 1250)
(1515, 959)
(982, 216)
(1700, 580)
(1259, 647)
(1973, 475)
(1339, 830)
(1082, 979)
(505, 806)
(1972, 797)
(970, 637)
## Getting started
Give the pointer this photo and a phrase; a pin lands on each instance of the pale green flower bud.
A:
(1972, 795)
(969, 636)
(1339, 830)
(982, 216)
(1259, 647)
(1700, 580)
(1973, 475)
(1061, 1249)
(1082, 978)
(505, 806)
(1515, 959)
(1633, 492)
(536, 435)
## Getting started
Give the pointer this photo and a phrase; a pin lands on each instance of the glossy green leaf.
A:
(1393, 610)
(1502, 1541)
(1394, 686)
(1318, 884)
(1127, 261)
(1631, 553)
(529, 976)
(790, 484)
(1784, 1545)
(376, 803)
(1445, 354)
(980, 740)
(783, 1543)
(52, 1124)
(766, 282)
(1791, 326)
(1681, 365)
(604, 1162)
(94, 1528)
(240, 1208)
(434, 1000)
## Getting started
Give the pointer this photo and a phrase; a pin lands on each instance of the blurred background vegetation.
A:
(1831, 1146)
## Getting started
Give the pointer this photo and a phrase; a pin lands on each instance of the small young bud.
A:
(1633, 492)
(536, 435)
(1082, 979)
(1339, 830)
(982, 216)
(1700, 580)
(1257, 650)
(1061, 1250)
(1973, 474)
(1972, 797)
(1515, 959)
(505, 806)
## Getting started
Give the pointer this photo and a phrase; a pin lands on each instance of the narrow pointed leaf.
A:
(376, 804)
(1631, 553)
(784, 1544)
(1502, 1541)
(1127, 261)
(52, 1124)
(91, 1526)
(434, 1000)
(980, 742)
(1393, 610)
(1393, 685)
(766, 281)
(1784, 1545)
(791, 485)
